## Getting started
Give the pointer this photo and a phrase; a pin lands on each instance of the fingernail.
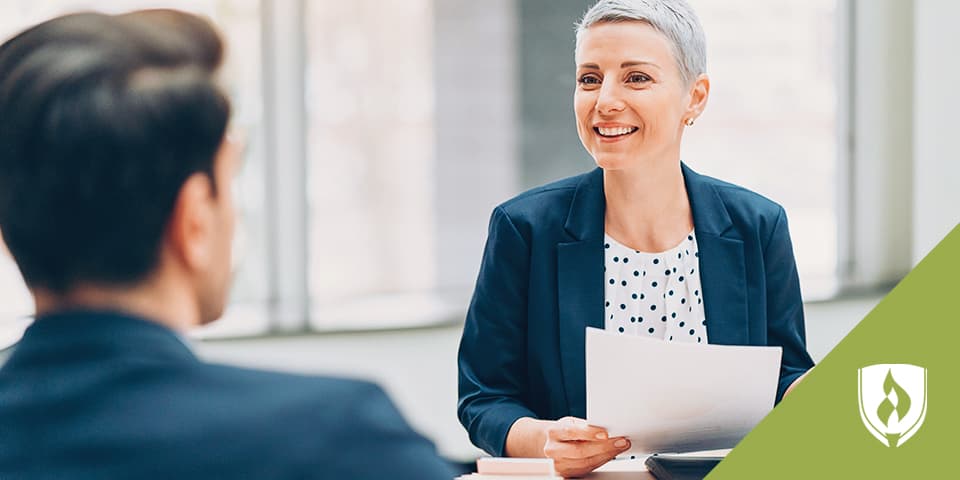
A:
(620, 443)
(601, 436)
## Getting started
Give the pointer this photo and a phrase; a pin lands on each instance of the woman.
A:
(641, 245)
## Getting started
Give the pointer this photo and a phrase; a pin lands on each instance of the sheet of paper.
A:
(670, 397)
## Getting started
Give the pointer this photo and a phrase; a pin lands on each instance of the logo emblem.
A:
(893, 401)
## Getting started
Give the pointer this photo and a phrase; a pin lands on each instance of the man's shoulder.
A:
(339, 424)
(360, 407)
(320, 413)
(274, 384)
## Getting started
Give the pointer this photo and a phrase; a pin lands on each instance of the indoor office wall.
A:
(549, 146)
(902, 181)
(476, 63)
(878, 191)
(936, 103)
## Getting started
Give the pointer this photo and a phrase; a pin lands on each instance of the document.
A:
(670, 397)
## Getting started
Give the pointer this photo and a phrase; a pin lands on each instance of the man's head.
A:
(114, 172)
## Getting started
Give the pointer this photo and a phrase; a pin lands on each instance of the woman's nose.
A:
(609, 100)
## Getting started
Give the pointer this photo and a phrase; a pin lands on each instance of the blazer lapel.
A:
(580, 285)
(722, 269)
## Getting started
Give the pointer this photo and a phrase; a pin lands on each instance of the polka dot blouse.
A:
(656, 295)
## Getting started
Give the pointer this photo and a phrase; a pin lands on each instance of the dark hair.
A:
(102, 120)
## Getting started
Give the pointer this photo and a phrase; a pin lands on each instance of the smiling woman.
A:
(641, 245)
(631, 101)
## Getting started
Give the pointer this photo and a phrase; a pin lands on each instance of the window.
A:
(371, 164)
(771, 124)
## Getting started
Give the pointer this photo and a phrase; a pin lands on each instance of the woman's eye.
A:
(589, 80)
(637, 78)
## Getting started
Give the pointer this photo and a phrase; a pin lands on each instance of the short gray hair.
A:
(675, 19)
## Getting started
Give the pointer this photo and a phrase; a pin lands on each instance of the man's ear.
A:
(699, 93)
(192, 223)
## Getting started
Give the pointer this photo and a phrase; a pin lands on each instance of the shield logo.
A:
(893, 401)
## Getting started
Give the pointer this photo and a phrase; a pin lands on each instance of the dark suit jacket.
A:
(102, 395)
(541, 284)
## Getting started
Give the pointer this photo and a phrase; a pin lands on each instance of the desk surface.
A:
(622, 470)
(634, 469)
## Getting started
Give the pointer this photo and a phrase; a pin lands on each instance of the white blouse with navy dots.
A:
(655, 295)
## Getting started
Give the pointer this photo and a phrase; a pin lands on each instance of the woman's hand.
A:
(578, 448)
(575, 447)
(795, 383)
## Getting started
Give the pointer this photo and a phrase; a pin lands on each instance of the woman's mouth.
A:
(614, 132)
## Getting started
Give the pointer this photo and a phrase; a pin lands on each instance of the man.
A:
(115, 202)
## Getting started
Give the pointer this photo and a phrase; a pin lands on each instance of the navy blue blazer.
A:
(101, 395)
(541, 284)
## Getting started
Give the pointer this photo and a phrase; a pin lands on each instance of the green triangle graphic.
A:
(816, 432)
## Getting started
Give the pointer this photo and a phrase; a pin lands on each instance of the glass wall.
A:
(771, 124)
(370, 144)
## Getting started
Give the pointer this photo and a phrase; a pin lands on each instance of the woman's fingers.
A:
(575, 467)
(578, 448)
(585, 449)
(572, 428)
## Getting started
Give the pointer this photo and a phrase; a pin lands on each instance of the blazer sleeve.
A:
(492, 357)
(784, 305)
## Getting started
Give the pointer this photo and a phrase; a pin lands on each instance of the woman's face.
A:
(631, 101)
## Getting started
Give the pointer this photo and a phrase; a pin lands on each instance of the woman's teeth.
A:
(614, 131)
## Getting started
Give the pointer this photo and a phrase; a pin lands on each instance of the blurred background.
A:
(381, 133)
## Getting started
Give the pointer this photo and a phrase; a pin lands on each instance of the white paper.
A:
(677, 397)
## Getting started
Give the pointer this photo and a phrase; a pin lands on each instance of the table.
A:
(634, 469)
(622, 470)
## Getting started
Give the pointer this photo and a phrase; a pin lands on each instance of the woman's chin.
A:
(624, 161)
(612, 162)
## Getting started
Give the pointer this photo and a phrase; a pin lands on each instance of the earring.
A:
(689, 122)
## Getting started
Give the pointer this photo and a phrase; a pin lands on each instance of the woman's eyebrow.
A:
(629, 63)
(638, 63)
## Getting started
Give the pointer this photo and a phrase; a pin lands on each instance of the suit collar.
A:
(585, 218)
(67, 336)
(709, 212)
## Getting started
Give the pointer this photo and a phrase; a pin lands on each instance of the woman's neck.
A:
(647, 207)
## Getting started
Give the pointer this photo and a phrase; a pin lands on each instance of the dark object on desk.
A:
(676, 467)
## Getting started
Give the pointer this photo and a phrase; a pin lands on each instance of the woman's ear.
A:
(699, 93)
